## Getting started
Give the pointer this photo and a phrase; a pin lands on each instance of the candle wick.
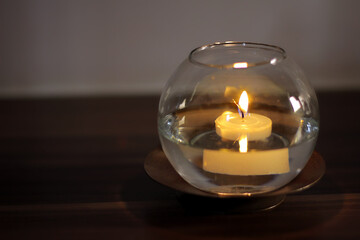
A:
(239, 109)
(236, 104)
(241, 113)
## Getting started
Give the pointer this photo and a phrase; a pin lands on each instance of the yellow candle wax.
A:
(232, 126)
(244, 127)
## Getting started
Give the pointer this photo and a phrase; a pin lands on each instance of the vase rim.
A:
(274, 53)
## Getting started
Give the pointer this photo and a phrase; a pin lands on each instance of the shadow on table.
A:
(187, 214)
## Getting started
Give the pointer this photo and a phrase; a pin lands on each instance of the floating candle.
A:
(244, 127)
(232, 125)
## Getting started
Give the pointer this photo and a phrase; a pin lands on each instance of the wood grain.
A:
(73, 168)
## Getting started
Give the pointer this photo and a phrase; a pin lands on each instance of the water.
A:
(186, 135)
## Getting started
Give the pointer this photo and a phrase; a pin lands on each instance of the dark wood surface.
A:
(72, 168)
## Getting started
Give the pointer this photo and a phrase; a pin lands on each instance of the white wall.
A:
(131, 47)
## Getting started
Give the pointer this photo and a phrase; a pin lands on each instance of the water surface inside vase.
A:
(189, 134)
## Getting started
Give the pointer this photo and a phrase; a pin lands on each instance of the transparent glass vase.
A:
(238, 118)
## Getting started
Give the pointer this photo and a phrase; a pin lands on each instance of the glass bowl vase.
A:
(238, 119)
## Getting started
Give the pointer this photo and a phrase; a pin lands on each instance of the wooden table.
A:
(72, 168)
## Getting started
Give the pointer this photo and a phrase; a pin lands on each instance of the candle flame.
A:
(243, 144)
(244, 102)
